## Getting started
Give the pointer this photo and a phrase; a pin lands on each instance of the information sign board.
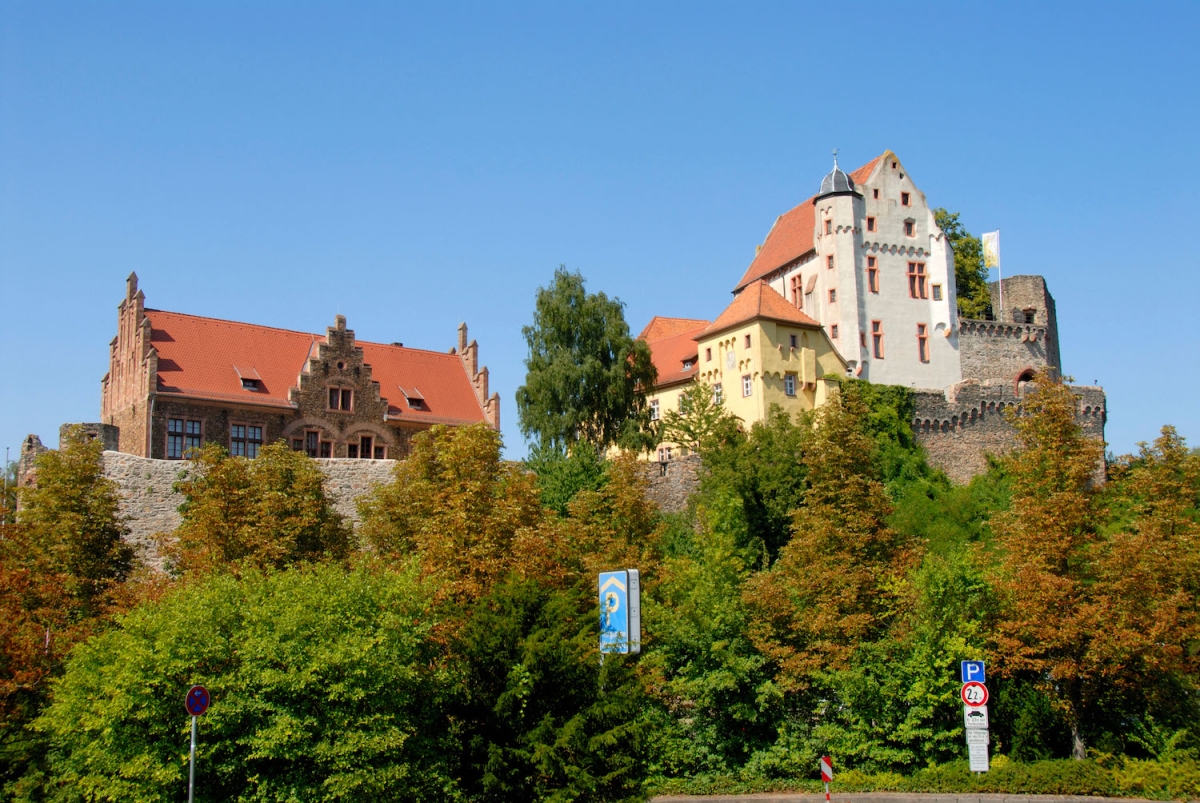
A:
(977, 756)
(975, 718)
(973, 671)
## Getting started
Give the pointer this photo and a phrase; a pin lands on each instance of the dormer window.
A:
(249, 378)
(687, 365)
(249, 384)
(414, 398)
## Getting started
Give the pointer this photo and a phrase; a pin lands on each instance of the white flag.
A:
(991, 249)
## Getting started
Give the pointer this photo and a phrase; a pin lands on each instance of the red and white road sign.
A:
(826, 769)
(974, 694)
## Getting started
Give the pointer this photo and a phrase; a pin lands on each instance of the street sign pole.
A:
(975, 714)
(192, 765)
(826, 774)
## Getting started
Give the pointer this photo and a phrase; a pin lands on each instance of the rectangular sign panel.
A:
(614, 611)
(975, 718)
(977, 755)
(973, 671)
(978, 736)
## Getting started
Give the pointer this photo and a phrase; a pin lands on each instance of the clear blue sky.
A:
(416, 166)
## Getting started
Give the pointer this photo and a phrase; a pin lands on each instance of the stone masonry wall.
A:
(959, 427)
(994, 351)
(151, 506)
(671, 483)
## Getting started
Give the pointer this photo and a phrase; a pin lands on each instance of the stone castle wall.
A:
(673, 482)
(960, 426)
(151, 505)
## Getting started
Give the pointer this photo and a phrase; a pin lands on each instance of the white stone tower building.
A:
(865, 258)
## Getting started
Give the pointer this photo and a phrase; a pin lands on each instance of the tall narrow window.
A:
(923, 342)
(364, 451)
(904, 199)
(877, 338)
(244, 440)
(876, 195)
(789, 384)
(747, 385)
(798, 291)
(829, 227)
(312, 444)
(747, 341)
(829, 261)
(937, 292)
(872, 275)
(792, 341)
(916, 280)
(833, 331)
(708, 355)
(832, 296)
(870, 224)
(654, 409)
(717, 396)
(909, 228)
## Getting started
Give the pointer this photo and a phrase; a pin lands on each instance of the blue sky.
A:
(413, 166)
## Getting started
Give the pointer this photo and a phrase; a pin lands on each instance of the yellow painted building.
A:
(760, 351)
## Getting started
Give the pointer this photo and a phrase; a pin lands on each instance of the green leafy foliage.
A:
(586, 376)
(970, 276)
(701, 423)
(562, 474)
(323, 688)
(269, 512)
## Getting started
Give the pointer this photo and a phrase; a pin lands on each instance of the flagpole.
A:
(999, 274)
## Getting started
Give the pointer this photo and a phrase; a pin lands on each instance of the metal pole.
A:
(192, 765)
(826, 792)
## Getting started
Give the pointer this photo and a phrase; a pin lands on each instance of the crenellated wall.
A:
(960, 426)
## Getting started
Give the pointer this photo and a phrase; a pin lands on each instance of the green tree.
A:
(586, 377)
(970, 276)
(561, 474)
(324, 686)
(72, 515)
(842, 578)
(701, 423)
(271, 511)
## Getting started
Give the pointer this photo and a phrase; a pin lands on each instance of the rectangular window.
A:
(937, 292)
(789, 384)
(876, 195)
(829, 261)
(717, 395)
(708, 355)
(829, 227)
(832, 296)
(244, 440)
(747, 341)
(792, 341)
(381, 453)
(747, 385)
(833, 331)
(654, 409)
(923, 342)
(297, 444)
(798, 291)
(326, 449)
(340, 398)
(312, 444)
(904, 199)
(352, 450)
(916, 280)
(873, 279)
(365, 451)
(909, 228)
(182, 437)
(334, 395)
(877, 338)
(870, 224)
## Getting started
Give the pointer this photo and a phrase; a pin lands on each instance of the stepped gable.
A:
(673, 341)
(207, 358)
(758, 301)
(792, 235)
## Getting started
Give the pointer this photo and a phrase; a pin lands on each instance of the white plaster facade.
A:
(878, 221)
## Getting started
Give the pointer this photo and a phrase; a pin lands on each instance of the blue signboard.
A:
(614, 611)
(973, 671)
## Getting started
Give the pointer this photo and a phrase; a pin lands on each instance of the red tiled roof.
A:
(792, 235)
(759, 300)
(197, 358)
(661, 326)
(668, 352)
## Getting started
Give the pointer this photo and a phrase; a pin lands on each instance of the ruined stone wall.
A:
(1001, 352)
(962, 425)
(151, 505)
(673, 482)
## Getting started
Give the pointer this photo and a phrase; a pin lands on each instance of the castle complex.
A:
(864, 259)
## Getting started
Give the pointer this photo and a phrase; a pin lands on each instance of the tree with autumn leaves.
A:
(1095, 618)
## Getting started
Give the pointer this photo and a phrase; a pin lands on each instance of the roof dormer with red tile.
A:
(177, 381)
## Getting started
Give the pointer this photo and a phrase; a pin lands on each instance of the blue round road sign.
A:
(197, 700)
